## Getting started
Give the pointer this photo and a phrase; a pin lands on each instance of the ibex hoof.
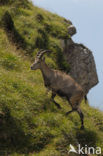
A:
(82, 128)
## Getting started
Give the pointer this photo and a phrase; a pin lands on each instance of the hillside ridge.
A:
(30, 124)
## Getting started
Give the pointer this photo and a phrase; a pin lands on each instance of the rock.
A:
(83, 68)
(71, 30)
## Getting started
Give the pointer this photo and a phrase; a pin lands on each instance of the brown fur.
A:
(62, 84)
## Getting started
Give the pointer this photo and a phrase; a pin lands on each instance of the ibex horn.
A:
(42, 52)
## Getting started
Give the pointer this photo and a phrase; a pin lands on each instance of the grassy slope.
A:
(29, 122)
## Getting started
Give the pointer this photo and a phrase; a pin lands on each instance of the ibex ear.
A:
(43, 58)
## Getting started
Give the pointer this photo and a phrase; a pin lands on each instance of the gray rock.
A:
(83, 68)
(71, 30)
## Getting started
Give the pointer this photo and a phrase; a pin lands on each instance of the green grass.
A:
(30, 124)
(35, 28)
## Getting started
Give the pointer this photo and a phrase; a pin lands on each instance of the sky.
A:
(87, 16)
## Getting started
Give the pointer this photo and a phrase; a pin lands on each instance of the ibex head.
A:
(38, 59)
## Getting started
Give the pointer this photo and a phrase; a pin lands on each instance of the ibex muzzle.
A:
(36, 64)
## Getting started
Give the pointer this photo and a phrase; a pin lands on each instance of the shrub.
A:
(7, 21)
(42, 40)
(57, 55)
(3, 2)
(39, 18)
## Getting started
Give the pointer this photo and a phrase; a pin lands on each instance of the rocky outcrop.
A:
(81, 60)
(71, 30)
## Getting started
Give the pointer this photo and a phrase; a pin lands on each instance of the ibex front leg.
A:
(52, 98)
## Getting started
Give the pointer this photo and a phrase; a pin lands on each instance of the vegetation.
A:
(32, 28)
(30, 124)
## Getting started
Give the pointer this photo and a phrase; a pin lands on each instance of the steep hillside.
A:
(30, 28)
(30, 124)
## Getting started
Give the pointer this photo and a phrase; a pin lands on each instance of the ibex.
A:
(61, 84)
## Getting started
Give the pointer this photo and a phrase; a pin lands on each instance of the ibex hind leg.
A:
(69, 112)
(52, 98)
(73, 109)
(80, 114)
(81, 117)
(78, 110)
